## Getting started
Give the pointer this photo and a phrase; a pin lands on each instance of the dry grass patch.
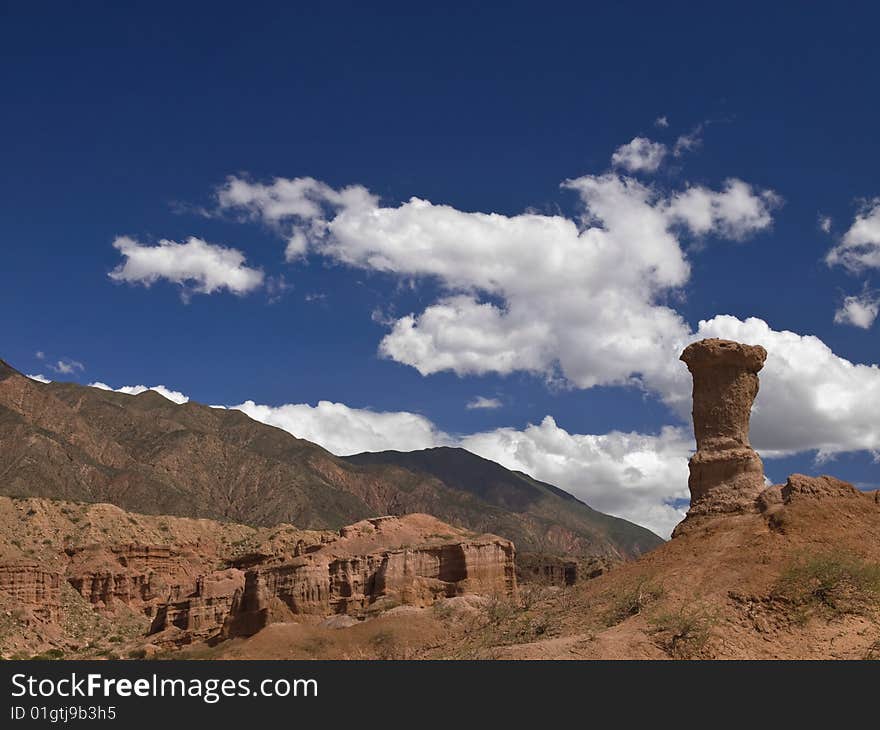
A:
(683, 633)
(631, 599)
(829, 585)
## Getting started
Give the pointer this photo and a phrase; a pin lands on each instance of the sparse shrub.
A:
(314, 645)
(830, 585)
(50, 655)
(631, 600)
(531, 594)
(500, 609)
(543, 625)
(683, 633)
(443, 611)
(385, 644)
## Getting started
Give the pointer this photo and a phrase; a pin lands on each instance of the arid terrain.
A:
(799, 581)
(754, 571)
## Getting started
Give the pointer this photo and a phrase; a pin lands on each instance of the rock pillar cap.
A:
(713, 352)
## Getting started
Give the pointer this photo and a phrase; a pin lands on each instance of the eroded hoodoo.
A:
(726, 474)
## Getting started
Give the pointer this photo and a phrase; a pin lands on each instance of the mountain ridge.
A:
(145, 453)
(506, 488)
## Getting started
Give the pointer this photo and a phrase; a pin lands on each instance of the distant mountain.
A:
(147, 454)
(549, 517)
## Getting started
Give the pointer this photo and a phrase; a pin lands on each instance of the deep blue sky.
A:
(115, 118)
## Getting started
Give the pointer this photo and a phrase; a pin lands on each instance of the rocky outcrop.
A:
(411, 560)
(34, 589)
(137, 576)
(162, 573)
(546, 570)
(800, 486)
(205, 610)
(726, 474)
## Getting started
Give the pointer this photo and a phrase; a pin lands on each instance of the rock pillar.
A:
(726, 474)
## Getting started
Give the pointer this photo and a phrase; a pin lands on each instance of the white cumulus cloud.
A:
(858, 310)
(639, 155)
(809, 399)
(858, 251)
(736, 211)
(197, 266)
(545, 294)
(66, 366)
(344, 430)
(859, 248)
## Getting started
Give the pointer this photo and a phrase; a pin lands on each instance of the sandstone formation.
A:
(546, 569)
(726, 474)
(203, 611)
(179, 580)
(411, 560)
(800, 488)
(134, 575)
(35, 590)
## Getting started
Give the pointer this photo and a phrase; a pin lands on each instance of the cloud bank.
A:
(549, 295)
(583, 302)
